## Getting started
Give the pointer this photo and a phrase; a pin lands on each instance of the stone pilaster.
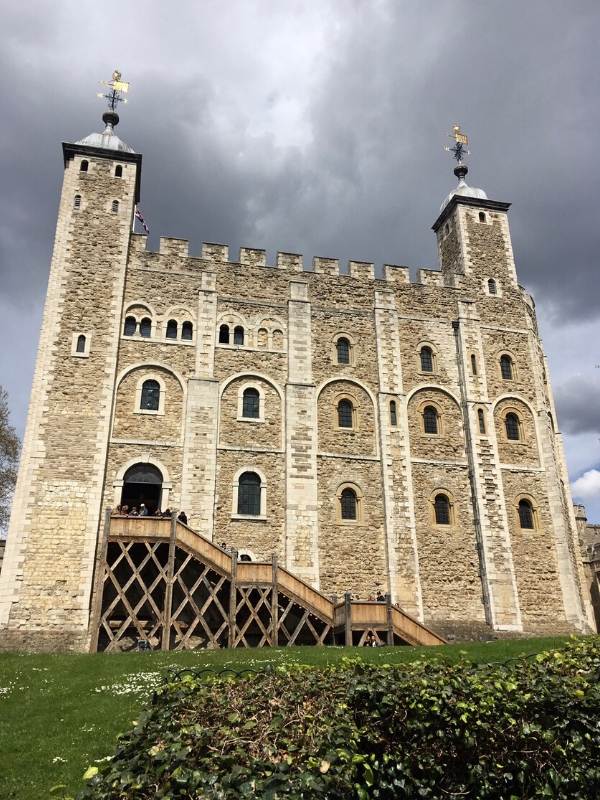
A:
(401, 540)
(489, 505)
(301, 551)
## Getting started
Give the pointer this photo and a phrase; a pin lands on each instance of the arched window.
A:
(526, 518)
(481, 418)
(84, 166)
(251, 403)
(187, 331)
(342, 347)
(129, 327)
(224, 334)
(77, 201)
(506, 367)
(114, 206)
(473, 364)
(249, 494)
(278, 339)
(348, 504)
(150, 398)
(80, 344)
(430, 419)
(426, 359)
(481, 216)
(345, 413)
(263, 337)
(393, 414)
(172, 329)
(244, 557)
(511, 423)
(492, 286)
(146, 328)
(238, 335)
(118, 171)
(441, 507)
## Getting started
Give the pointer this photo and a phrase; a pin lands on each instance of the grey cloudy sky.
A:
(317, 127)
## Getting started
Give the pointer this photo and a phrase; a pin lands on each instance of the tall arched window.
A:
(118, 171)
(251, 403)
(249, 494)
(481, 419)
(492, 286)
(263, 337)
(482, 216)
(426, 359)
(393, 413)
(224, 334)
(146, 328)
(345, 411)
(150, 398)
(80, 344)
(84, 166)
(442, 509)
(342, 347)
(348, 504)
(172, 329)
(114, 206)
(506, 367)
(129, 327)
(526, 518)
(511, 423)
(430, 419)
(238, 335)
(473, 364)
(77, 201)
(187, 331)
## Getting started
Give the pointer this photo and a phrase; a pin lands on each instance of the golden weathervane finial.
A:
(116, 89)
(461, 141)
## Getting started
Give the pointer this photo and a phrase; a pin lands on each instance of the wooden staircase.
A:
(160, 582)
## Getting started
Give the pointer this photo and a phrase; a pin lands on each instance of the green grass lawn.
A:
(60, 713)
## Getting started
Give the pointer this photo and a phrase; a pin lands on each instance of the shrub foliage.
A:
(522, 729)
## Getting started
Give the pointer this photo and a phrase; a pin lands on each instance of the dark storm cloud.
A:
(577, 405)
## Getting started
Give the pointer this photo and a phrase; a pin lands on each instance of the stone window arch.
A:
(146, 327)
(80, 344)
(427, 359)
(263, 338)
(346, 413)
(481, 420)
(473, 363)
(492, 288)
(507, 367)
(77, 202)
(252, 404)
(431, 419)
(223, 334)
(125, 472)
(342, 351)
(118, 171)
(114, 206)
(526, 513)
(442, 508)
(187, 331)
(349, 506)
(150, 395)
(513, 426)
(482, 217)
(249, 494)
(83, 167)
(238, 335)
(172, 328)
(393, 413)
(129, 326)
(278, 340)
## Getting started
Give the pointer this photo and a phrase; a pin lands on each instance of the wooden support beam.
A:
(233, 598)
(99, 571)
(274, 605)
(390, 624)
(348, 619)
(166, 633)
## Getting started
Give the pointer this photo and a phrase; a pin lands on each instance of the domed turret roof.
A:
(108, 139)
(463, 188)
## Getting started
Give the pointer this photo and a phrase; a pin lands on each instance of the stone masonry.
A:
(276, 330)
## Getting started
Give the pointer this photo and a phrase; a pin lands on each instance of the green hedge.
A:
(526, 728)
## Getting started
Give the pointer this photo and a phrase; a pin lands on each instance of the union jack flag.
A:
(138, 215)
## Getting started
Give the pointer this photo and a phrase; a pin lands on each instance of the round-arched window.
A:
(511, 423)
(251, 403)
(426, 359)
(224, 334)
(430, 419)
(146, 328)
(526, 518)
(348, 504)
(342, 347)
(442, 509)
(130, 326)
(249, 494)
(345, 414)
(238, 335)
(150, 398)
(506, 367)
(80, 344)
(187, 331)
(172, 329)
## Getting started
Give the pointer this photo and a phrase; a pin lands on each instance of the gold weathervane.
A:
(116, 89)
(461, 140)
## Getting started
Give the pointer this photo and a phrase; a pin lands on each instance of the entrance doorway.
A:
(142, 483)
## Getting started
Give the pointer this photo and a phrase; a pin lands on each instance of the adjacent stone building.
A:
(377, 434)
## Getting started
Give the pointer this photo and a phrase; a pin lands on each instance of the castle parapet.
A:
(361, 269)
(169, 246)
(430, 277)
(253, 257)
(396, 275)
(215, 252)
(326, 266)
(292, 261)
(138, 242)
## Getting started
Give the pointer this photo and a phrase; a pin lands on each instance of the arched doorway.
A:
(142, 483)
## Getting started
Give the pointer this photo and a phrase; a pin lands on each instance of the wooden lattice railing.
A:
(159, 581)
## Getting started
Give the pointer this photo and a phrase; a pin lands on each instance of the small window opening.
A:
(249, 494)
(150, 396)
(492, 286)
(481, 216)
(244, 557)
(481, 418)
(473, 364)
(129, 327)
(344, 411)
(80, 344)
(115, 207)
(187, 331)
(146, 328)
(224, 334)
(251, 404)
(172, 329)
(442, 510)
(84, 166)
(430, 420)
(238, 335)
(77, 201)
(348, 504)
(393, 414)
(526, 519)
(343, 350)
(118, 171)
(426, 359)
(506, 367)
(511, 423)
